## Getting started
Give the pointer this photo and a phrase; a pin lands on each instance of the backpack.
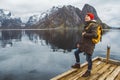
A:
(99, 33)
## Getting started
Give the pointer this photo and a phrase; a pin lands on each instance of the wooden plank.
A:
(113, 74)
(71, 71)
(108, 72)
(74, 77)
(77, 75)
(95, 64)
(118, 77)
(74, 74)
(67, 73)
(94, 70)
(99, 72)
(64, 74)
(111, 61)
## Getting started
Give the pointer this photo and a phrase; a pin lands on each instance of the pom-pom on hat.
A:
(91, 15)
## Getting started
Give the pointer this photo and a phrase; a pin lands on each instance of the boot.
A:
(76, 65)
(86, 74)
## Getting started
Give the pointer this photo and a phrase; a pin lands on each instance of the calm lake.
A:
(43, 54)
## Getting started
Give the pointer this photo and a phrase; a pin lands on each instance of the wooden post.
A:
(108, 54)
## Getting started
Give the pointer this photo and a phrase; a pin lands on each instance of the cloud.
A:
(107, 10)
(35, 5)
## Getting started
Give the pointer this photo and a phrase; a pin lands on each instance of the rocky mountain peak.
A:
(33, 20)
(57, 16)
(66, 16)
(63, 16)
(5, 14)
(7, 20)
(88, 8)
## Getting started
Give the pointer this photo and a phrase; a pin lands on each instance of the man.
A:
(86, 45)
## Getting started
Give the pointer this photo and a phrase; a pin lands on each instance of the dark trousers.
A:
(88, 58)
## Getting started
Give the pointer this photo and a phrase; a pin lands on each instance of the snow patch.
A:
(6, 12)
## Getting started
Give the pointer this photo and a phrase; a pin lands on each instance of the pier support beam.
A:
(108, 54)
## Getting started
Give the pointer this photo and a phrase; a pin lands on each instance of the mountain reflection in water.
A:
(57, 39)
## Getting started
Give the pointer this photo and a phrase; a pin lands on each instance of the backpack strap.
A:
(101, 32)
(89, 26)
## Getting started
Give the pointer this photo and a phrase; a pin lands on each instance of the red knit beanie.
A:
(91, 15)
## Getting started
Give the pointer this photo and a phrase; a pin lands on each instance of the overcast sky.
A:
(108, 10)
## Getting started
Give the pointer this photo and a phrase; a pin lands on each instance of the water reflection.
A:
(7, 37)
(56, 39)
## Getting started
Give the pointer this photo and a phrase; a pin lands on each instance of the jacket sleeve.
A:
(92, 33)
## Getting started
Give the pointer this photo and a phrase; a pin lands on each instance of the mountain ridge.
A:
(66, 16)
(7, 20)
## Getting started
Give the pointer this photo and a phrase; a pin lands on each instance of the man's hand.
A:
(83, 33)
(78, 45)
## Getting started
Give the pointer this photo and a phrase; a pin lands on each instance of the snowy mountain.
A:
(7, 20)
(4, 14)
(62, 16)
(34, 19)
(65, 16)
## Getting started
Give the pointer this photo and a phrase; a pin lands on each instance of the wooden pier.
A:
(103, 69)
(100, 71)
